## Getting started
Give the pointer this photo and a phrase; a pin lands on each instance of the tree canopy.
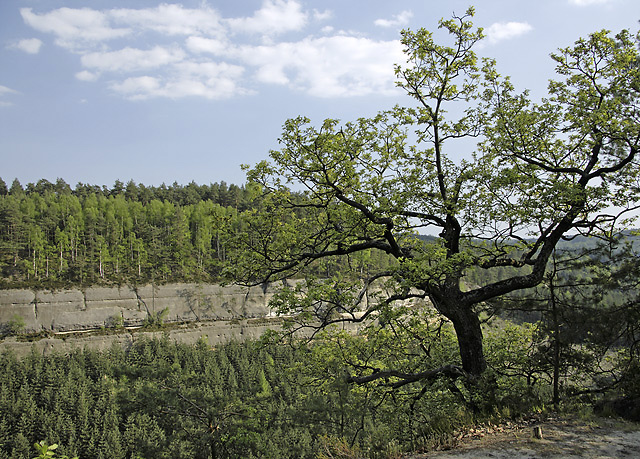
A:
(534, 173)
(53, 236)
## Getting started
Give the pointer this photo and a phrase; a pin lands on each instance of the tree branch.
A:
(449, 371)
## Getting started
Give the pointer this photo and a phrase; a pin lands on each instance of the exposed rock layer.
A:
(213, 312)
(96, 307)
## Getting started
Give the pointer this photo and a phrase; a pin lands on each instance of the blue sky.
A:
(98, 91)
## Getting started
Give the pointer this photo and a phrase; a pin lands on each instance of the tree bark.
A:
(469, 333)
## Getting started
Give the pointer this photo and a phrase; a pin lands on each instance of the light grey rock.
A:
(73, 297)
(51, 306)
(110, 294)
(73, 309)
(16, 296)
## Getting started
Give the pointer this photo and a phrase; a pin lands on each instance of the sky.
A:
(161, 92)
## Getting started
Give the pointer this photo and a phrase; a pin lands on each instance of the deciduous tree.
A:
(500, 179)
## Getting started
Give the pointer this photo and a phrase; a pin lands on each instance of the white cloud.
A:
(28, 45)
(589, 2)
(171, 19)
(131, 59)
(84, 27)
(137, 87)
(3, 92)
(335, 66)
(212, 62)
(217, 80)
(500, 31)
(207, 45)
(74, 28)
(322, 15)
(398, 20)
(275, 17)
(86, 76)
(209, 80)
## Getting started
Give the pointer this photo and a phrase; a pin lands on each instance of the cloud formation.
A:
(28, 45)
(131, 59)
(198, 52)
(85, 75)
(170, 19)
(500, 31)
(398, 20)
(3, 92)
(209, 80)
(275, 17)
(75, 28)
(336, 66)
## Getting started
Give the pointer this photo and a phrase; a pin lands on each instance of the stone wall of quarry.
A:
(97, 307)
(217, 313)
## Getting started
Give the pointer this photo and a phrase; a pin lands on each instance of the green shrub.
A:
(46, 451)
(15, 325)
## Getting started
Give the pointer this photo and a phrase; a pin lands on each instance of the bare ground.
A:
(561, 437)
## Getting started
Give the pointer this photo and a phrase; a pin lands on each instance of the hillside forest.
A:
(53, 235)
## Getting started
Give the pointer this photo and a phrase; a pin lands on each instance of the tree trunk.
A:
(469, 333)
(556, 343)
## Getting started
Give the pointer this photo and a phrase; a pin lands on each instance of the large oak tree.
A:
(500, 179)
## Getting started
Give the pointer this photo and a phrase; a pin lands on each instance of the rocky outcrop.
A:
(212, 333)
(97, 307)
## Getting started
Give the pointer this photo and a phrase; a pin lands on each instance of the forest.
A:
(53, 235)
(486, 288)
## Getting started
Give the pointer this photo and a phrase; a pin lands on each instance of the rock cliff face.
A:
(96, 307)
(211, 312)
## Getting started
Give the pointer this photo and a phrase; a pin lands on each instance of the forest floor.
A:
(562, 437)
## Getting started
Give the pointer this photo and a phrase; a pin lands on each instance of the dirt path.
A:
(562, 438)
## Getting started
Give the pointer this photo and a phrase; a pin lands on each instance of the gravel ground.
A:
(561, 438)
